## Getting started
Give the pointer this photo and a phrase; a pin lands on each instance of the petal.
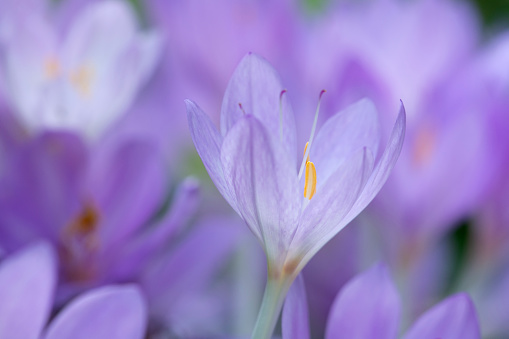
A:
(127, 184)
(192, 265)
(102, 44)
(128, 261)
(383, 167)
(104, 313)
(27, 282)
(325, 215)
(295, 318)
(24, 65)
(41, 188)
(342, 135)
(367, 307)
(264, 182)
(257, 87)
(453, 318)
(208, 141)
(96, 37)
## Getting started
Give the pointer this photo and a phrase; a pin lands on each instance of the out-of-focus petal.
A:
(342, 135)
(453, 318)
(208, 141)
(127, 183)
(264, 182)
(109, 312)
(128, 260)
(367, 307)
(191, 267)
(101, 44)
(27, 281)
(295, 318)
(257, 87)
(324, 217)
(40, 188)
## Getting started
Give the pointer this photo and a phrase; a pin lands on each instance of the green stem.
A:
(273, 298)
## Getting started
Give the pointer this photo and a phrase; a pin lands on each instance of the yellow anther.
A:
(51, 68)
(310, 180)
(82, 79)
(305, 149)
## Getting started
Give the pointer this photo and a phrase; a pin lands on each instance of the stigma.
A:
(310, 177)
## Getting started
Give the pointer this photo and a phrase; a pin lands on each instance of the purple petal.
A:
(27, 282)
(104, 38)
(264, 182)
(345, 133)
(104, 313)
(257, 87)
(208, 141)
(453, 318)
(325, 215)
(128, 261)
(383, 167)
(40, 188)
(367, 307)
(127, 184)
(295, 318)
(191, 265)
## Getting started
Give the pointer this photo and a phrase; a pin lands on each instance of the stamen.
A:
(281, 114)
(310, 181)
(82, 79)
(310, 142)
(242, 108)
(305, 148)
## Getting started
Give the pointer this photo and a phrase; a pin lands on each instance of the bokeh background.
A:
(99, 161)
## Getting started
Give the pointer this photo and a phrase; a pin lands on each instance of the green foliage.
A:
(493, 12)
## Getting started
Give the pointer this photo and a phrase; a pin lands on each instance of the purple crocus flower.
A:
(369, 307)
(253, 162)
(78, 80)
(88, 202)
(27, 282)
(97, 207)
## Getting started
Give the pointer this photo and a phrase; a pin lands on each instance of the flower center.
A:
(82, 78)
(79, 242)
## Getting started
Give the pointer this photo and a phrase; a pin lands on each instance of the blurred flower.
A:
(82, 79)
(369, 307)
(414, 51)
(27, 282)
(253, 164)
(104, 210)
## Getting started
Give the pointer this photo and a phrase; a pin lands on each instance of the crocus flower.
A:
(83, 81)
(90, 203)
(27, 282)
(253, 162)
(369, 307)
(98, 208)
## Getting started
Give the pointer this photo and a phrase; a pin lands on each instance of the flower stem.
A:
(273, 298)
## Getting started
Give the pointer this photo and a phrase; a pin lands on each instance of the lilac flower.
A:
(369, 307)
(254, 165)
(27, 283)
(97, 207)
(79, 82)
(89, 203)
